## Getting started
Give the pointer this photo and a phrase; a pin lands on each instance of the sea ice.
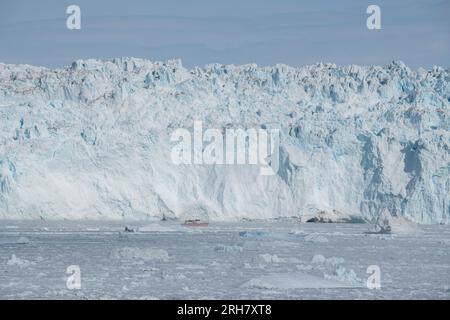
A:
(146, 254)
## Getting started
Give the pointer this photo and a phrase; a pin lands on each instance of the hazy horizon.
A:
(202, 32)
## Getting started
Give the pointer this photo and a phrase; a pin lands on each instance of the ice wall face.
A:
(92, 141)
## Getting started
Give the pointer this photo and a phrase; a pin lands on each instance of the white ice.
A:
(217, 262)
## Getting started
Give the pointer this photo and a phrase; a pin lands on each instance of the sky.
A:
(200, 32)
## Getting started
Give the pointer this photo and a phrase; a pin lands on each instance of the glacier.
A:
(92, 141)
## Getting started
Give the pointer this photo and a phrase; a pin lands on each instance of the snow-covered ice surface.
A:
(93, 141)
(170, 261)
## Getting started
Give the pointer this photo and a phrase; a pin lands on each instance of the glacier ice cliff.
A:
(93, 141)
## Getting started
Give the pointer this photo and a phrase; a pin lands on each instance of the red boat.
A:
(195, 223)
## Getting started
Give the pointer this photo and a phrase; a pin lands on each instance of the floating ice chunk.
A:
(177, 276)
(92, 229)
(388, 224)
(273, 258)
(252, 234)
(228, 249)
(344, 275)
(270, 258)
(145, 254)
(297, 232)
(318, 258)
(312, 214)
(315, 237)
(400, 225)
(294, 280)
(16, 261)
(304, 267)
(23, 240)
(259, 283)
(19, 240)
